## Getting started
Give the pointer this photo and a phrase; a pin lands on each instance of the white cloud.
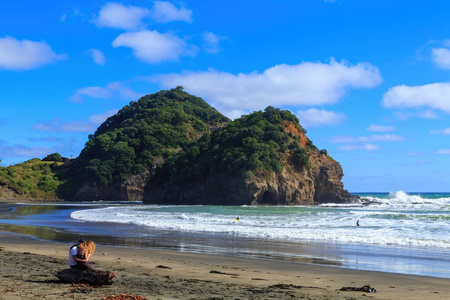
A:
(91, 91)
(98, 56)
(236, 113)
(381, 138)
(117, 15)
(211, 42)
(443, 151)
(314, 117)
(366, 147)
(94, 91)
(114, 89)
(445, 131)
(57, 125)
(367, 139)
(441, 57)
(426, 114)
(152, 46)
(123, 91)
(342, 139)
(364, 142)
(12, 154)
(99, 119)
(164, 12)
(414, 153)
(303, 84)
(24, 151)
(435, 96)
(25, 55)
(379, 128)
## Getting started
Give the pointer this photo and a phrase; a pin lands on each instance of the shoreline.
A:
(27, 268)
(53, 222)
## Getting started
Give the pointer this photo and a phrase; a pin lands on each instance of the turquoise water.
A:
(400, 232)
(393, 219)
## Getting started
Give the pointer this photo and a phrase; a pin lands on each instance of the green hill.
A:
(34, 179)
(144, 134)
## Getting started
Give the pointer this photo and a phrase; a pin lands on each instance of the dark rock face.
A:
(220, 189)
(130, 190)
(294, 186)
(328, 181)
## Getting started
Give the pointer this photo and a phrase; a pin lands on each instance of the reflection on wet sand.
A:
(53, 223)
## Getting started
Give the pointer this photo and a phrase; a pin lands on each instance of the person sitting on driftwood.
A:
(82, 271)
(73, 259)
(84, 252)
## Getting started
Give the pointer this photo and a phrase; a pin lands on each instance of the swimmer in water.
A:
(357, 223)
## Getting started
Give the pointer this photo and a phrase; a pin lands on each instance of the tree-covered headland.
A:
(174, 137)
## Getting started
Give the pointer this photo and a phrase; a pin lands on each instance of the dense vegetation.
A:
(35, 179)
(53, 157)
(175, 134)
(144, 132)
(255, 143)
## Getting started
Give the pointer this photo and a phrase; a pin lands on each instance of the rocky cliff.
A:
(132, 189)
(295, 185)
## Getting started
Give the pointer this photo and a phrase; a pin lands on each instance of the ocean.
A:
(399, 232)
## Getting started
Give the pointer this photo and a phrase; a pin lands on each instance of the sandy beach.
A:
(27, 268)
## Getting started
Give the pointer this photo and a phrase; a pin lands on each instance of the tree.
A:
(53, 157)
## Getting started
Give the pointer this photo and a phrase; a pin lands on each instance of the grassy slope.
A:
(34, 178)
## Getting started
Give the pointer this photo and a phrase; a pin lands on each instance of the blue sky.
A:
(369, 80)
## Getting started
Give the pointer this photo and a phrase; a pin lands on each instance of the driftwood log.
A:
(365, 288)
(93, 277)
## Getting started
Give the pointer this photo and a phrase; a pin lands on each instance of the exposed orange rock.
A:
(289, 126)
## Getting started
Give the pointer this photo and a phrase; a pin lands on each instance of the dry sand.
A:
(27, 268)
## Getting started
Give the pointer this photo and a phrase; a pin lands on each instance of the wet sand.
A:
(27, 268)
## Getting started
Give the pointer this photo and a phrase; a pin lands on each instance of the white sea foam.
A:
(400, 219)
(400, 199)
